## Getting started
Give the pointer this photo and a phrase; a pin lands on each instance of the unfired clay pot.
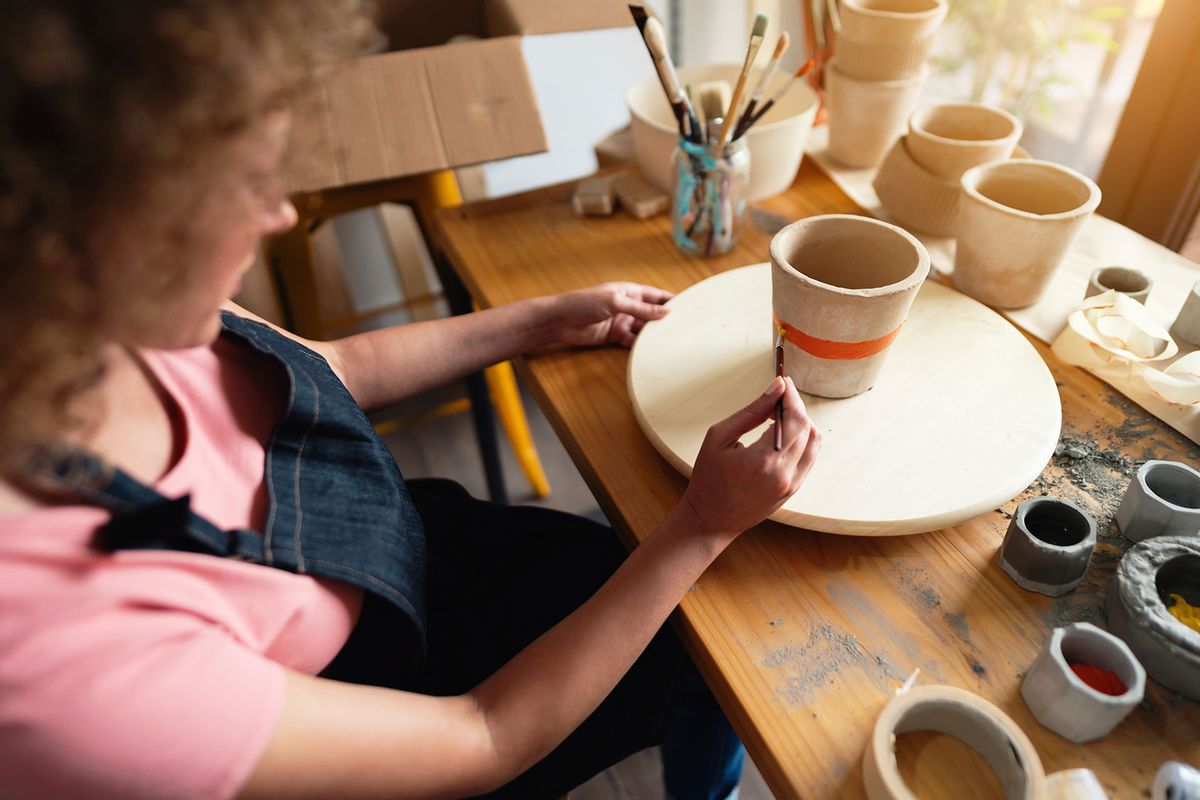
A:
(865, 117)
(842, 286)
(1016, 221)
(950, 138)
(913, 196)
(1125, 280)
(887, 39)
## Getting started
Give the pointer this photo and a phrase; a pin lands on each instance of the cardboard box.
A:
(433, 106)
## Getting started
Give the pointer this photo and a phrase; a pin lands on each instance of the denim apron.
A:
(337, 504)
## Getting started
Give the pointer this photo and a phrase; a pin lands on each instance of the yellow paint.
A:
(1184, 612)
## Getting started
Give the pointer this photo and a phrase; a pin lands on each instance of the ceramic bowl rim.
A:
(809, 108)
(1135, 688)
(1156, 464)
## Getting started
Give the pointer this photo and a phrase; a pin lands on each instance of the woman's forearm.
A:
(385, 366)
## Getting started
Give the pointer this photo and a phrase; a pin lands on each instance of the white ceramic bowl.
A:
(776, 141)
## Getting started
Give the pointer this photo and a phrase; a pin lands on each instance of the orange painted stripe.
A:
(823, 348)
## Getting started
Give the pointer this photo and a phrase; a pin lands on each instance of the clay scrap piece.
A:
(1112, 331)
(639, 198)
(594, 197)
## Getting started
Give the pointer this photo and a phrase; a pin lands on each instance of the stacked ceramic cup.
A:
(919, 182)
(874, 81)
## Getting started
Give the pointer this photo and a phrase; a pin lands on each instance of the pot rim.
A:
(894, 83)
(971, 178)
(939, 7)
(914, 278)
(917, 130)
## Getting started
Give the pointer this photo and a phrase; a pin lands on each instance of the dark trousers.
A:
(499, 576)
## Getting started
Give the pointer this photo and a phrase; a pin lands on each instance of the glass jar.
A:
(710, 196)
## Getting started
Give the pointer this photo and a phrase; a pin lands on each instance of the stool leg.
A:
(502, 384)
(485, 434)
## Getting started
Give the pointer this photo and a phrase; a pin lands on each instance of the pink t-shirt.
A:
(156, 674)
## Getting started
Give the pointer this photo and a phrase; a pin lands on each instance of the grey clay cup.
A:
(1127, 281)
(1048, 545)
(1163, 499)
(1062, 701)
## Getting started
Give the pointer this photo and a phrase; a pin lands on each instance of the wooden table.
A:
(804, 636)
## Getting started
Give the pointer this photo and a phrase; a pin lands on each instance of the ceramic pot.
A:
(913, 196)
(1016, 221)
(950, 138)
(1187, 324)
(1163, 499)
(865, 117)
(1048, 545)
(1136, 609)
(887, 39)
(1132, 282)
(1062, 701)
(842, 286)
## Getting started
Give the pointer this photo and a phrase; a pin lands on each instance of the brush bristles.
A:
(760, 24)
(713, 98)
(655, 40)
(782, 45)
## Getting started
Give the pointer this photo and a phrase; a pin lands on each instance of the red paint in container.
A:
(1102, 680)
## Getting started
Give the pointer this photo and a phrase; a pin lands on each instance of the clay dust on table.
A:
(1091, 469)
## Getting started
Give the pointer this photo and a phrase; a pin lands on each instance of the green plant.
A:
(1015, 49)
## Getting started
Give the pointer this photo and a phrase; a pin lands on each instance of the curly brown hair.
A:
(111, 108)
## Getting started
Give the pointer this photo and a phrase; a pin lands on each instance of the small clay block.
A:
(1163, 499)
(1062, 701)
(639, 198)
(594, 197)
(1136, 609)
(1048, 545)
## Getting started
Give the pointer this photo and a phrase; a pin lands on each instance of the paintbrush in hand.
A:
(764, 80)
(779, 402)
(748, 120)
(756, 38)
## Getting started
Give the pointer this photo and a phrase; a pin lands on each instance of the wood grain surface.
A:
(961, 379)
(803, 636)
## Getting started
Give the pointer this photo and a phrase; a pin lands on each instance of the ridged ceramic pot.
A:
(1017, 220)
(866, 117)
(887, 39)
(950, 138)
(842, 287)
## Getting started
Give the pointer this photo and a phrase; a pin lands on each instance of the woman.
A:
(214, 581)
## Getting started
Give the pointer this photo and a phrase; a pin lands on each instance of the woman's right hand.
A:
(735, 486)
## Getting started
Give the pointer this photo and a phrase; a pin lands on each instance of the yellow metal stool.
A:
(293, 274)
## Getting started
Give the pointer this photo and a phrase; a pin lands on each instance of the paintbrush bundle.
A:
(692, 117)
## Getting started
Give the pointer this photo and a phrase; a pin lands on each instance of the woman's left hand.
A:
(611, 313)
